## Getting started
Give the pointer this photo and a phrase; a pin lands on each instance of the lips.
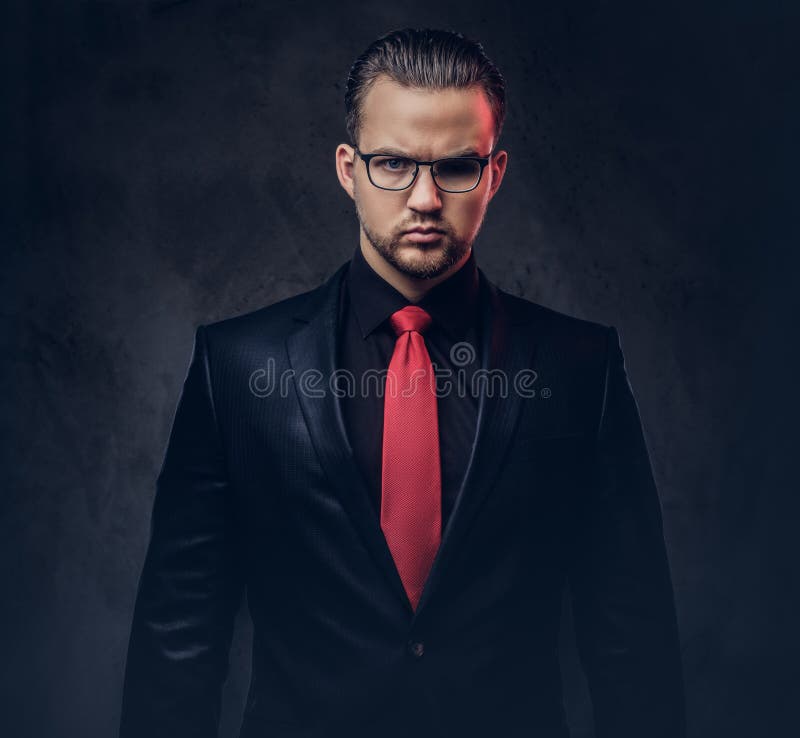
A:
(423, 235)
(425, 231)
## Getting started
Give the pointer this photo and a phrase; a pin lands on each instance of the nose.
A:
(424, 195)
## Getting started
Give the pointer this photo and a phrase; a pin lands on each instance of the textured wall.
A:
(171, 163)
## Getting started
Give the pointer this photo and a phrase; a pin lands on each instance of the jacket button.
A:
(417, 649)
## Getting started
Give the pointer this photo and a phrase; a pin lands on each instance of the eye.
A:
(456, 167)
(392, 163)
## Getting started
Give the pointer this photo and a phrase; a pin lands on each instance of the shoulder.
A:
(562, 332)
(271, 323)
(569, 355)
(273, 320)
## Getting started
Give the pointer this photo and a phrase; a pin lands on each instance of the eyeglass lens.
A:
(396, 173)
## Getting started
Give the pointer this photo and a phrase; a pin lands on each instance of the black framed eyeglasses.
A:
(451, 174)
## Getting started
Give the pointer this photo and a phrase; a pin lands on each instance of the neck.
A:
(412, 288)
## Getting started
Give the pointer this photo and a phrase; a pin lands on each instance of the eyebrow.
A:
(391, 151)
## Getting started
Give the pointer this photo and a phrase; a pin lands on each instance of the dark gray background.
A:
(170, 164)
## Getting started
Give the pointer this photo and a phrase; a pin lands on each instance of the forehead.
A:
(425, 123)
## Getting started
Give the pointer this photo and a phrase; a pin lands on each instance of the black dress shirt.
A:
(367, 342)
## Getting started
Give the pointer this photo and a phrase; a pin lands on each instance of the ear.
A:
(498, 166)
(345, 164)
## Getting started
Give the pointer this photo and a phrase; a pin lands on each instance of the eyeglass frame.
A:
(482, 160)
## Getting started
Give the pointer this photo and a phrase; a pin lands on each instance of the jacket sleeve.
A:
(621, 589)
(191, 582)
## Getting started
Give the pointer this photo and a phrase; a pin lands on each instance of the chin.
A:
(422, 261)
(423, 248)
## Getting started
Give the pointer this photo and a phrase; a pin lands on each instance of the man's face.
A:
(424, 125)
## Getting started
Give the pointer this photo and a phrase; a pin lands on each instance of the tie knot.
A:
(410, 318)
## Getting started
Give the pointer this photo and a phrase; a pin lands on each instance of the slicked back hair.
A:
(423, 58)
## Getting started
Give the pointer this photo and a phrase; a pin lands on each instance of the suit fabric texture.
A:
(259, 492)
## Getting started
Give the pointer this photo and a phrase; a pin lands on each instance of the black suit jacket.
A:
(259, 490)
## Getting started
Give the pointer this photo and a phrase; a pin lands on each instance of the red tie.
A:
(411, 489)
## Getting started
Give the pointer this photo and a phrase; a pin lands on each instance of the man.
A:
(404, 552)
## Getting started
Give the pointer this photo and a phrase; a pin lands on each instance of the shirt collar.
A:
(452, 303)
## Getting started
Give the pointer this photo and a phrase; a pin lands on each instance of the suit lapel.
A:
(312, 351)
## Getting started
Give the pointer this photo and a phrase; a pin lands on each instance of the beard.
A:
(418, 260)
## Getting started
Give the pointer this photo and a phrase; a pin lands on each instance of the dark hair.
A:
(423, 58)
